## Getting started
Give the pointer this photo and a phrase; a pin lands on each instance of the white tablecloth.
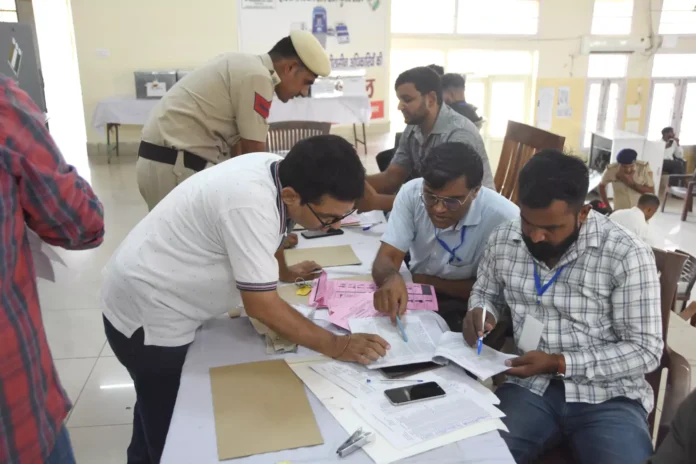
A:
(337, 110)
(226, 341)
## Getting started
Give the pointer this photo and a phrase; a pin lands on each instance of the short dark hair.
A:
(648, 199)
(667, 129)
(284, 49)
(323, 165)
(452, 81)
(552, 175)
(424, 79)
(601, 207)
(439, 70)
(451, 161)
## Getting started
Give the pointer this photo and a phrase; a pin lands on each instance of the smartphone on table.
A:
(414, 393)
(321, 233)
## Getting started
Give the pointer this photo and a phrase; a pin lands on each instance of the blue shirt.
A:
(410, 228)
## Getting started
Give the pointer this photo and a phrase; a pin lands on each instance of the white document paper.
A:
(338, 402)
(563, 109)
(632, 126)
(353, 378)
(451, 347)
(633, 111)
(544, 114)
(156, 89)
(421, 339)
(408, 425)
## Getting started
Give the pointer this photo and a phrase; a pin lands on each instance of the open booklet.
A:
(427, 342)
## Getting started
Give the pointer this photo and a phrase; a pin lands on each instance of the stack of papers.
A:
(369, 219)
(275, 344)
(466, 403)
(426, 342)
(350, 299)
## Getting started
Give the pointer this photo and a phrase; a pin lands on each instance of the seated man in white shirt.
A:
(636, 219)
(674, 162)
(211, 245)
(585, 301)
(444, 219)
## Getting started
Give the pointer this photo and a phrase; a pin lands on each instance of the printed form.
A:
(452, 347)
(419, 348)
(411, 424)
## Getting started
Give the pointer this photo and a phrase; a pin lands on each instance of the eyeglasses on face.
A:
(330, 222)
(452, 204)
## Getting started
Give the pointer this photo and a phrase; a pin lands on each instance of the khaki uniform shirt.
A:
(213, 107)
(624, 196)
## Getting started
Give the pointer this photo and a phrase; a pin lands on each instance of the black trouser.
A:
(675, 166)
(156, 372)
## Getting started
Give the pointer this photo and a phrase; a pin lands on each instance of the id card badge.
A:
(531, 334)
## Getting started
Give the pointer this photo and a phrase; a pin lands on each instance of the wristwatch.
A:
(561, 366)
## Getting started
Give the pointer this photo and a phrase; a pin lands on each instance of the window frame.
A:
(605, 84)
(680, 84)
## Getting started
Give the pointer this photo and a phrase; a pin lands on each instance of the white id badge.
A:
(531, 334)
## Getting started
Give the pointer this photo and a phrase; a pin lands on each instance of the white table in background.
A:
(226, 341)
(112, 112)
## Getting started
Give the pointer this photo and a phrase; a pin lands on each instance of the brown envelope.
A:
(260, 407)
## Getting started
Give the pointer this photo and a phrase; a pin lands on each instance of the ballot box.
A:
(153, 84)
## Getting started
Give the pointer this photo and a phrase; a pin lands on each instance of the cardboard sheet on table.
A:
(260, 407)
(324, 256)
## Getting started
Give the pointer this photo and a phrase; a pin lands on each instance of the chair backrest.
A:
(282, 136)
(688, 275)
(669, 265)
(520, 144)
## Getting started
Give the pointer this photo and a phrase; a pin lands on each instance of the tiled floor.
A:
(100, 387)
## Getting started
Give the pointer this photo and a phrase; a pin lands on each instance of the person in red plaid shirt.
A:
(40, 191)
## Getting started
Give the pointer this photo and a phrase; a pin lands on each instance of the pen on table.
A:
(483, 324)
(396, 380)
(401, 328)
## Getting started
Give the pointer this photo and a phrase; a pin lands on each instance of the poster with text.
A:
(353, 33)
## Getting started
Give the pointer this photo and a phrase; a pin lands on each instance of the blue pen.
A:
(483, 323)
(401, 328)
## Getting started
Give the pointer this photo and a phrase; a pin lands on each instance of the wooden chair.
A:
(282, 136)
(520, 144)
(686, 281)
(678, 373)
(686, 193)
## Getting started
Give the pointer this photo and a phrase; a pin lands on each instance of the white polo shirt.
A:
(185, 262)
(633, 219)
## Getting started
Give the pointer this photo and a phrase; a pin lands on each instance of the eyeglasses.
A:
(331, 222)
(452, 204)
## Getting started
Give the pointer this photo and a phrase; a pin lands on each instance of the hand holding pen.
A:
(477, 323)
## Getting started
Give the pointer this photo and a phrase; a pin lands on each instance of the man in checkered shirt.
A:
(585, 300)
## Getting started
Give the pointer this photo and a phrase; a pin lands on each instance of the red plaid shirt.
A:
(39, 190)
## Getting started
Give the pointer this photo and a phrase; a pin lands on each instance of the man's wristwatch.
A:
(560, 366)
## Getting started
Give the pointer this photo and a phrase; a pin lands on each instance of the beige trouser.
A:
(156, 180)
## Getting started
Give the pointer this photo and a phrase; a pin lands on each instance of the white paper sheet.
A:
(421, 339)
(353, 378)
(408, 425)
(338, 402)
(489, 363)
(544, 114)
(563, 108)
(633, 111)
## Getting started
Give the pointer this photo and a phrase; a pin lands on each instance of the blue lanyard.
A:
(453, 256)
(541, 289)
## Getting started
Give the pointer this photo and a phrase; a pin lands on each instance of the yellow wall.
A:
(177, 33)
(152, 34)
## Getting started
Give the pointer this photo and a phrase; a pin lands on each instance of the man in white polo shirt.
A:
(444, 219)
(636, 219)
(211, 245)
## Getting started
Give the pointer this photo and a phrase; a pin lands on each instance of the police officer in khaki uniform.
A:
(629, 178)
(220, 110)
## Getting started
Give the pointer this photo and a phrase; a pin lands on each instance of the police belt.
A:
(168, 156)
